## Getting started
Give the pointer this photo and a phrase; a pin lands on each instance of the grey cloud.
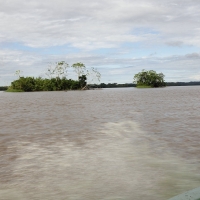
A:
(46, 23)
(193, 56)
(175, 43)
(153, 54)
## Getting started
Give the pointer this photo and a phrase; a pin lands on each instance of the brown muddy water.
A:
(129, 144)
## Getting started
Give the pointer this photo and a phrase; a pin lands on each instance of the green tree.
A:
(18, 73)
(82, 81)
(79, 69)
(149, 79)
(26, 84)
(58, 69)
(93, 76)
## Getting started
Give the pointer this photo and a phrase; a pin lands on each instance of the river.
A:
(107, 144)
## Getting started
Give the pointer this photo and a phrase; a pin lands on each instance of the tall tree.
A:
(149, 79)
(18, 73)
(79, 69)
(93, 75)
(58, 69)
(82, 81)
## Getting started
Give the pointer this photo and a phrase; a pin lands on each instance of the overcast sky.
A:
(118, 37)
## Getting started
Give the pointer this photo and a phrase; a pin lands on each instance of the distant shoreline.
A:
(116, 85)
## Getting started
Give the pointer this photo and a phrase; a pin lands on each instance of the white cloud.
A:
(47, 23)
(196, 77)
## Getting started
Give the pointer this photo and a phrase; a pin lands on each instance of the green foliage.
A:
(29, 84)
(82, 81)
(79, 69)
(149, 79)
(3, 88)
(56, 81)
(13, 90)
(58, 69)
(91, 74)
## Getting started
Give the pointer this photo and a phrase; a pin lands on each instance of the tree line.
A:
(116, 85)
(112, 85)
(3, 88)
(183, 83)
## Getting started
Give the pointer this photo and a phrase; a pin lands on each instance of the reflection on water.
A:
(102, 144)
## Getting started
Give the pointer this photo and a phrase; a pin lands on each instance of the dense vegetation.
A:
(29, 84)
(56, 81)
(3, 88)
(112, 85)
(149, 79)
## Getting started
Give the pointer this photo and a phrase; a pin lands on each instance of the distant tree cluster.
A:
(183, 83)
(57, 79)
(149, 79)
(3, 88)
(115, 85)
(112, 85)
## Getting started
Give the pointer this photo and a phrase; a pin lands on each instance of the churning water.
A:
(109, 144)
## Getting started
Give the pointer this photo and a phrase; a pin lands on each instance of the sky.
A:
(117, 37)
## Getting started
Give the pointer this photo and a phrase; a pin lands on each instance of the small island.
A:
(149, 79)
(57, 79)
